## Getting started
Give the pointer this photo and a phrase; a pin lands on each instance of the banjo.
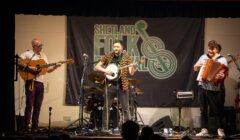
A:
(116, 70)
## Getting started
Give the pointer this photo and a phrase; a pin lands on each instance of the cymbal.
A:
(93, 90)
(133, 81)
(96, 77)
(137, 91)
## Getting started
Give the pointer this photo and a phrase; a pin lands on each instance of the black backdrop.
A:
(141, 8)
(170, 46)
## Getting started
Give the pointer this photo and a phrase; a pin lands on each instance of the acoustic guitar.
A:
(27, 74)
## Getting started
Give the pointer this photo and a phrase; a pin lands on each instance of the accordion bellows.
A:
(209, 70)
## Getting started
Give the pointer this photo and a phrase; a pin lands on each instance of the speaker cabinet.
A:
(164, 122)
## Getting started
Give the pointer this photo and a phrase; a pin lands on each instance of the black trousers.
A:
(211, 108)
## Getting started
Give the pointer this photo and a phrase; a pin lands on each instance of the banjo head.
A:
(114, 68)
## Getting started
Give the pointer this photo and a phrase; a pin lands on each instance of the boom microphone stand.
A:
(235, 62)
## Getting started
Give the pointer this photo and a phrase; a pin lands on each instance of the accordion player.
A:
(209, 71)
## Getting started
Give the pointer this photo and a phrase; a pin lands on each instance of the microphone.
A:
(50, 108)
(17, 56)
(229, 55)
(230, 61)
(234, 60)
(85, 55)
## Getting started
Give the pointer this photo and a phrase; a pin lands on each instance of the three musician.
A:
(210, 94)
(34, 88)
(117, 87)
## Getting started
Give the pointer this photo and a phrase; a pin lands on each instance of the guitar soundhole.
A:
(38, 67)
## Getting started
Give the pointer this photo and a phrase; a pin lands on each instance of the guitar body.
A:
(116, 72)
(41, 65)
(27, 74)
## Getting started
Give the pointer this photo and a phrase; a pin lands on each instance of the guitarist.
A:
(120, 59)
(34, 88)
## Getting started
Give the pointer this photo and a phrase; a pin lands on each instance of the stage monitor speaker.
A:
(164, 122)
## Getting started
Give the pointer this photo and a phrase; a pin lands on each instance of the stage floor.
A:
(97, 135)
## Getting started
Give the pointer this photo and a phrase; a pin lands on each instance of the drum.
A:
(94, 101)
(96, 118)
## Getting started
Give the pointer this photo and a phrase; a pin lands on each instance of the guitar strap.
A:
(31, 86)
(209, 56)
(220, 56)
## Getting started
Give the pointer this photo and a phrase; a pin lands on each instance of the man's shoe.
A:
(107, 131)
(34, 131)
(203, 132)
(221, 132)
(27, 129)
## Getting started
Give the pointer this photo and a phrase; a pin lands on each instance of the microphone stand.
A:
(179, 114)
(81, 99)
(118, 92)
(233, 59)
(16, 68)
(107, 106)
(49, 122)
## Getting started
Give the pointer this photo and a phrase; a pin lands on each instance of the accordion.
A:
(209, 70)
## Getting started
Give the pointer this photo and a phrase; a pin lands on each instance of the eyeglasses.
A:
(39, 46)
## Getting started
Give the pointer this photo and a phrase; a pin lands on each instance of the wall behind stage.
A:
(52, 30)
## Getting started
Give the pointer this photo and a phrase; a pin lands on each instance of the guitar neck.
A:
(47, 65)
(51, 64)
(127, 66)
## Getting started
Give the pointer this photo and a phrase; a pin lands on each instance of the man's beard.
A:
(117, 53)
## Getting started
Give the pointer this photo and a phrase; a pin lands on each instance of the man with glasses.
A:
(34, 87)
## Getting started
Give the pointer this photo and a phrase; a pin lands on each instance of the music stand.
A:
(182, 95)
